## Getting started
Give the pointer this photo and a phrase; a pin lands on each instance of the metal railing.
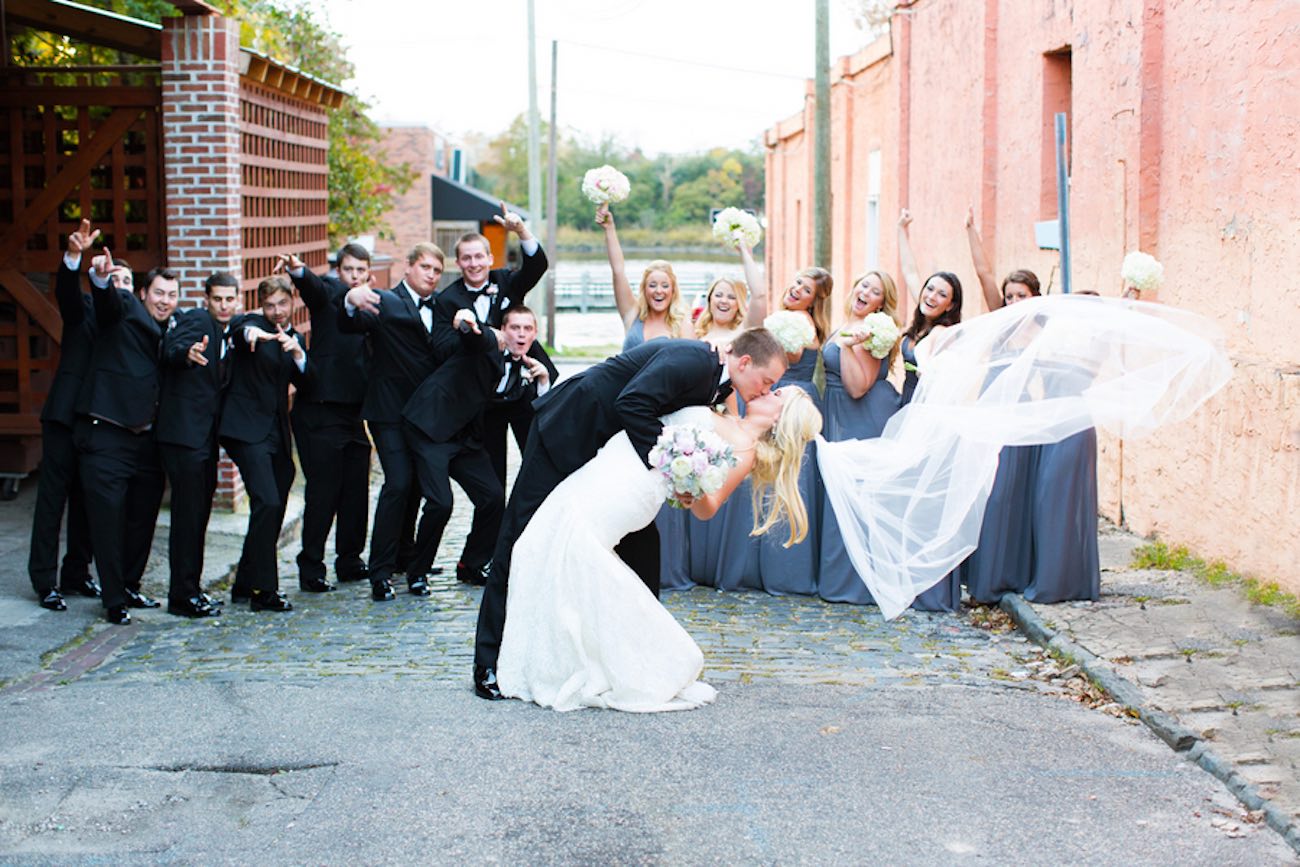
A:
(586, 294)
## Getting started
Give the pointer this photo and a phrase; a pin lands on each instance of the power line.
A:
(683, 61)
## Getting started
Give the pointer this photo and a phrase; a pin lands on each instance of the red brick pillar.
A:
(200, 103)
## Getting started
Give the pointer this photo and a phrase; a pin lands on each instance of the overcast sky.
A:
(463, 66)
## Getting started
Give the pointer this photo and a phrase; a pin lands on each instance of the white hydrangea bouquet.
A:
(1143, 271)
(691, 460)
(792, 330)
(884, 332)
(605, 185)
(733, 226)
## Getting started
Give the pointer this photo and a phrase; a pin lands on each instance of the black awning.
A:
(453, 201)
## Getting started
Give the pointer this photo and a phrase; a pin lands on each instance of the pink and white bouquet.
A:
(605, 185)
(692, 461)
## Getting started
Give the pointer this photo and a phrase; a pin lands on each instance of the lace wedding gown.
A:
(581, 629)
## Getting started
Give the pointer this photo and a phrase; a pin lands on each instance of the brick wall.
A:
(411, 218)
(200, 104)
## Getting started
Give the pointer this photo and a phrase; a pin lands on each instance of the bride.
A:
(583, 630)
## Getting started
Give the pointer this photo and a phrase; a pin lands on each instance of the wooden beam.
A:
(57, 188)
(194, 7)
(30, 299)
(87, 24)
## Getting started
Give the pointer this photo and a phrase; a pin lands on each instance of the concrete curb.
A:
(1165, 726)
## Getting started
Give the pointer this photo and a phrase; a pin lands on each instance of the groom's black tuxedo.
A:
(628, 392)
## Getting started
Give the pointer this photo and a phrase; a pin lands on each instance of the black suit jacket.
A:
(524, 392)
(449, 404)
(78, 315)
(403, 353)
(339, 359)
(512, 285)
(258, 395)
(190, 401)
(121, 384)
(628, 392)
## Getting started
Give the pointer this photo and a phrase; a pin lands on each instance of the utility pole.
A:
(1063, 201)
(534, 133)
(822, 141)
(552, 201)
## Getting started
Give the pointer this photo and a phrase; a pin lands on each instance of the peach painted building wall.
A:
(1184, 130)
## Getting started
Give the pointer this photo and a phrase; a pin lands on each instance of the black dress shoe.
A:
(54, 601)
(86, 586)
(118, 614)
(485, 684)
(473, 577)
(267, 600)
(314, 585)
(136, 599)
(239, 594)
(212, 601)
(418, 586)
(358, 575)
(192, 607)
(381, 590)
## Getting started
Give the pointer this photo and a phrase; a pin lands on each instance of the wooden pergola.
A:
(89, 142)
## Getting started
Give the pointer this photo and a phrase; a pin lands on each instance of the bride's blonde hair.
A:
(778, 457)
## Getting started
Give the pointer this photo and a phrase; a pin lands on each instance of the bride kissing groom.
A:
(584, 484)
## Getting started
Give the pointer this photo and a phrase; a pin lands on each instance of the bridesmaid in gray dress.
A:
(763, 563)
(656, 311)
(858, 401)
(1063, 521)
(938, 307)
(1003, 560)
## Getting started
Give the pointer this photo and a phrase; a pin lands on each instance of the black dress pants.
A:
(267, 470)
(335, 457)
(498, 422)
(192, 475)
(437, 464)
(58, 486)
(400, 486)
(122, 479)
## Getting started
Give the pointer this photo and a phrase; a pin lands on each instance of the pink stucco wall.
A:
(1185, 124)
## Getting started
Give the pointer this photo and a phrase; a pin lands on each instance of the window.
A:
(1056, 98)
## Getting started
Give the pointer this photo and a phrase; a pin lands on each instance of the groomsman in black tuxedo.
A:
(629, 392)
(196, 358)
(332, 445)
(443, 425)
(524, 379)
(403, 354)
(114, 433)
(58, 484)
(254, 431)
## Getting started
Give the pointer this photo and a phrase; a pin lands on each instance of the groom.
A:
(628, 392)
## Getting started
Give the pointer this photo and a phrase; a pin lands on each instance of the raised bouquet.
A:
(605, 185)
(1142, 271)
(883, 329)
(733, 226)
(691, 460)
(792, 330)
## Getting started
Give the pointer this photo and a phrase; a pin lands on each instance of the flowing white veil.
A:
(910, 503)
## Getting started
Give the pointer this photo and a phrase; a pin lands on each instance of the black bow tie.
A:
(425, 302)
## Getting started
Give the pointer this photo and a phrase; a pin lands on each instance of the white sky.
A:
(462, 65)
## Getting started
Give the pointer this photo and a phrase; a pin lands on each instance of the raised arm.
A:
(533, 265)
(757, 311)
(67, 285)
(911, 273)
(311, 288)
(989, 285)
(623, 297)
(106, 297)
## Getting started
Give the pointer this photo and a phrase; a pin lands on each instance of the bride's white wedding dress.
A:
(581, 629)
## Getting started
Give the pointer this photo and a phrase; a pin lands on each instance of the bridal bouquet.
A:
(1143, 271)
(884, 332)
(692, 460)
(605, 185)
(733, 226)
(792, 330)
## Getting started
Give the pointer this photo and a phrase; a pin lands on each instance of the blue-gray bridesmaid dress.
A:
(845, 418)
(1063, 521)
(946, 595)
